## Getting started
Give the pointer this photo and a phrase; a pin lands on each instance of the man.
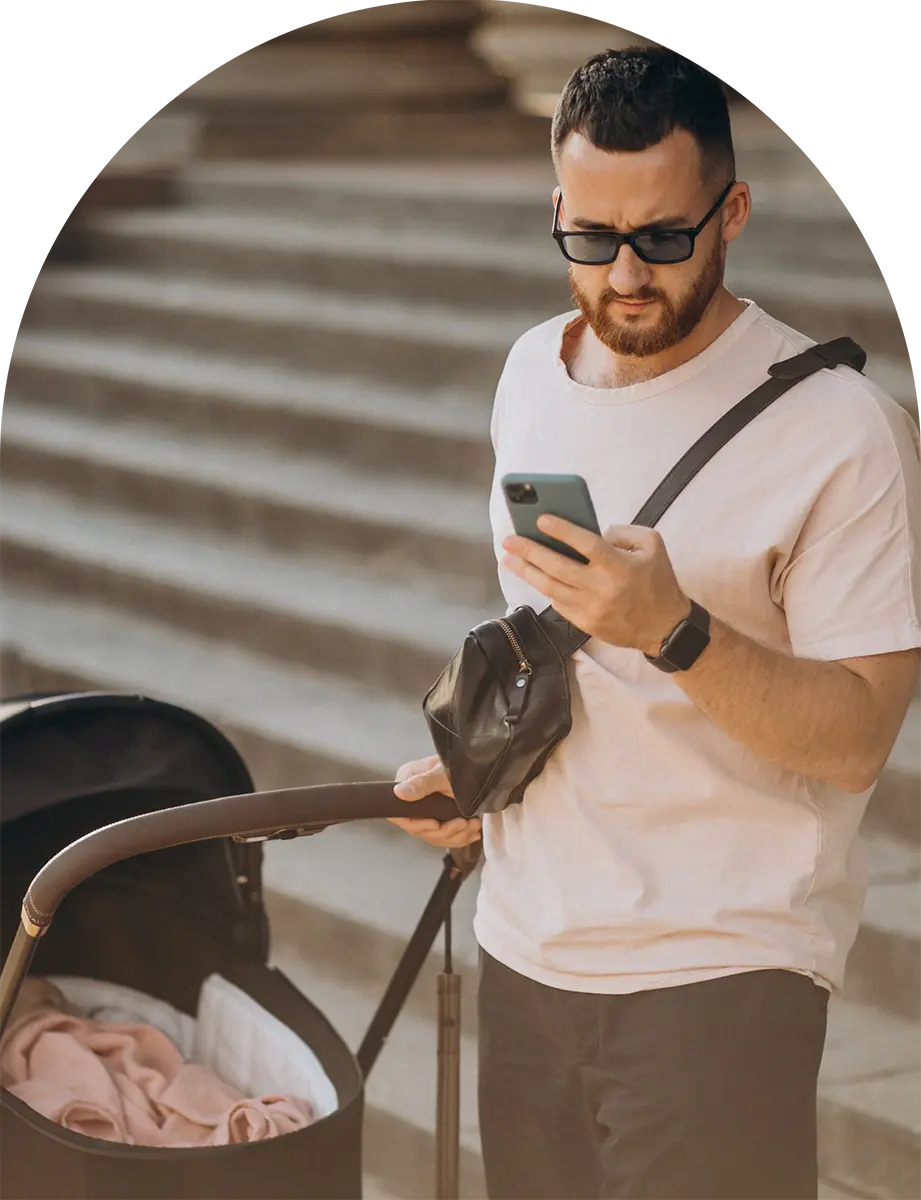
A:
(662, 918)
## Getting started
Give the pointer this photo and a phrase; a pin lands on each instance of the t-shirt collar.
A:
(661, 383)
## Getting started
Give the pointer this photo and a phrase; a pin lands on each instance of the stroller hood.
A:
(72, 763)
(58, 747)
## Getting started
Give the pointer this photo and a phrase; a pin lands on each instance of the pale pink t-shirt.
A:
(655, 850)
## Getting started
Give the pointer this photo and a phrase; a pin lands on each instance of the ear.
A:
(555, 196)
(736, 211)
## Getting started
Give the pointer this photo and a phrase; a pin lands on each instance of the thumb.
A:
(417, 786)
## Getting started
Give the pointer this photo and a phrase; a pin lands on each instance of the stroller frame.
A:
(286, 813)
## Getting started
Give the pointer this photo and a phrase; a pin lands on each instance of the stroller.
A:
(151, 811)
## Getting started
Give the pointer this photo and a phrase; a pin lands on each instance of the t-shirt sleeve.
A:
(851, 585)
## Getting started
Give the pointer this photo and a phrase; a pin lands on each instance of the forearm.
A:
(815, 718)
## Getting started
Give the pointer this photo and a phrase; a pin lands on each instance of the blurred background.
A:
(246, 460)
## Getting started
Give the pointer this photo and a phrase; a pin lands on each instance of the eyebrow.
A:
(650, 227)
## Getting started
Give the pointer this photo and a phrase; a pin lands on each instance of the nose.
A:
(628, 272)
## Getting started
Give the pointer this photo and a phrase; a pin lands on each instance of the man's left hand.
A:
(626, 594)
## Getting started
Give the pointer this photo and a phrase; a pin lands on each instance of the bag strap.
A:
(782, 376)
(457, 865)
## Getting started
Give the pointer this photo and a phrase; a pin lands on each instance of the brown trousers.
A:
(707, 1090)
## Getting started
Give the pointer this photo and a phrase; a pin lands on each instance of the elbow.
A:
(860, 778)
(856, 785)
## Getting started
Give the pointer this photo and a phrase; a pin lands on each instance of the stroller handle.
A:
(252, 815)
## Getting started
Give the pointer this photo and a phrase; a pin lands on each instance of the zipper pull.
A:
(520, 689)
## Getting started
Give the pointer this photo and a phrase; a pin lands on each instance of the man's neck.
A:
(591, 363)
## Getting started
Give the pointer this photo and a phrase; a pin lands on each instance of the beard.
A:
(679, 316)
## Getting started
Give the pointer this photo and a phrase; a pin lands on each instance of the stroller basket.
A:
(132, 830)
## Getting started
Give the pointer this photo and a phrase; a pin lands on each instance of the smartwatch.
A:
(686, 642)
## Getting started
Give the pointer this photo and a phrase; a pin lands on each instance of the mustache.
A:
(639, 295)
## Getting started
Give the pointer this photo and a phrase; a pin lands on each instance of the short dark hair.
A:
(633, 98)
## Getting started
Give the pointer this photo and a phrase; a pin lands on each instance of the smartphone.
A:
(530, 496)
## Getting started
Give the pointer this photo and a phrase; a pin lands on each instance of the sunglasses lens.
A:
(664, 247)
(590, 249)
(595, 249)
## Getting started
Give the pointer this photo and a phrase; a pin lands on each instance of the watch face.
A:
(685, 645)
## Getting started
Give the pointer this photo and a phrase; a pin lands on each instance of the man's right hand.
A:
(420, 778)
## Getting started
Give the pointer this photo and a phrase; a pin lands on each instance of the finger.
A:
(417, 767)
(453, 842)
(416, 825)
(553, 564)
(587, 543)
(423, 784)
(427, 828)
(455, 827)
(559, 593)
(446, 830)
(458, 843)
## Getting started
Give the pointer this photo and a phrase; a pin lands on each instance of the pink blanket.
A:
(129, 1083)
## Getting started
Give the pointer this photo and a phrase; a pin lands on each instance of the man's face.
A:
(637, 309)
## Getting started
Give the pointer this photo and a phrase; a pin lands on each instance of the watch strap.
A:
(699, 619)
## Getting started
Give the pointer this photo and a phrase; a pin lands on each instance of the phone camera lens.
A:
(521, 493)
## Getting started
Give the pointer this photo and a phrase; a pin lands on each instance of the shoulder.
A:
(538, 344)
(843, 408)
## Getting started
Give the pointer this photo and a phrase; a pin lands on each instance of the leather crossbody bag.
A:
(502, 704)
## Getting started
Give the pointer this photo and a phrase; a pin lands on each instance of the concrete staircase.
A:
(398, 79)
(245, 460)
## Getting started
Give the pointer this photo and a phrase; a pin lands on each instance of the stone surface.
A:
(870, 1102)
(537, 43)
(438, 433)
(291, 505)
(403, 81)
(399, 341)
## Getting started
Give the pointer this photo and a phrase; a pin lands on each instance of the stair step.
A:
(418, 263)
(331, 614)
(378, 133)
(827, 1191)
(463, 197)
(894, 809)
(293, 726)
(824, 306)
(884, 965)
(423, 345)
(373, 1189)
(796, 216)
(440, 432)
(294, 501)
(894, 375)
(327, 894)
(870, 1103)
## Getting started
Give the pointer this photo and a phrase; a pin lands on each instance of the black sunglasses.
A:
(596, 249)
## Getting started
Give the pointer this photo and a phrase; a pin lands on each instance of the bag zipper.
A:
(523, 664)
